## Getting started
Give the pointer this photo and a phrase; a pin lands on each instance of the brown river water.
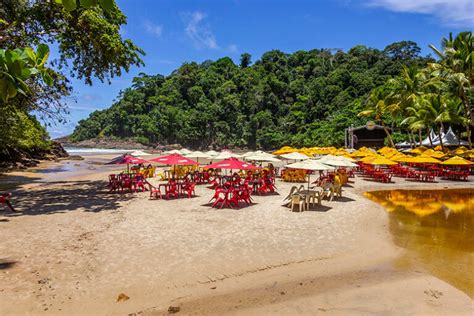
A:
(436, 227)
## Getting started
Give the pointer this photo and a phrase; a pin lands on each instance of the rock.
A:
(173, 309)
(73, 157)
(122, 297)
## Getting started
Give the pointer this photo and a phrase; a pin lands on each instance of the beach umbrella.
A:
(369, 158)
(284, 150)
(126, 160)
(231, 163)
(456, 161)
(311, 165)
(437, 154)
(137, 153)
(174, 159)
(261, 157)
(185, 151)
(211, 153)
(425, 159)
(382, 161)
(294, 156)
(336, 161)
(174, 151)
(197, 154)
(225, 154)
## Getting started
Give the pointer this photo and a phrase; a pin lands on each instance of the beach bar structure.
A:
(370, 135)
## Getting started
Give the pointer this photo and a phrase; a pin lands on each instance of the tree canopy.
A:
(305, 98)
(89, 43)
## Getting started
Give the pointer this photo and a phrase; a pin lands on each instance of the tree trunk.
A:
(468, 114)
(420, 137)
(429, 137)
(413, 139)
(388, 134)
(441, 130)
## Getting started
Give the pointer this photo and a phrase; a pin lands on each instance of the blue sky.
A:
(172, 32)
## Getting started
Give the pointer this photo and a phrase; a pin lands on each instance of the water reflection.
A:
(437, 229)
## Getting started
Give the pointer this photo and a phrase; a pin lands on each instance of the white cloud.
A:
(153, 29)
(459, 13)
(199, 31)
(232, 48)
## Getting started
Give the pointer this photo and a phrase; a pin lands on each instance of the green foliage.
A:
(19, 65)
(303, 99)
(90, 45)
(20, 130)
(430, 97)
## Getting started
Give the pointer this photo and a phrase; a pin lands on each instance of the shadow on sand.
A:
(90, 196)
(6, 264)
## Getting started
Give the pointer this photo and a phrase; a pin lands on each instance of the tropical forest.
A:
(305, 98)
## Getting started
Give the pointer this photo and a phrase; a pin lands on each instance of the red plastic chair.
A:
(190, 189)
(222, 197)
(216, 194)
(155, 192)
(5, 199)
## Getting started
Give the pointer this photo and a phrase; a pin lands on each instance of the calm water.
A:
(436, 227)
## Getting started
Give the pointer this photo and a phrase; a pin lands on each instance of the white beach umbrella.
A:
(197, 154)
(336, 161)
(225, 154)
(174, 151)
(211, 153)
(138, 153)
(294, 156)
(310, 164)
(248, 153)
(261, 157)
(185, 151)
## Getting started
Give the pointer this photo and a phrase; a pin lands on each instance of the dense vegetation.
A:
(431, 97)
(89, 44)
(306, 98)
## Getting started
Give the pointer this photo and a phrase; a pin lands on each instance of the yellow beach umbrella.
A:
(405, 159)
(459, 151)
(437, 154)
(418, 150)
(456, 161)
(382, 161)
(425, 159)
(369, 158)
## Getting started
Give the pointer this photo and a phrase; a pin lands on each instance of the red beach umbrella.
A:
(174, 159)
(231, 163)
(126, 159)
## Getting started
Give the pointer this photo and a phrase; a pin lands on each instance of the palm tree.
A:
(440, 110)
(456, 69)
(377, 107)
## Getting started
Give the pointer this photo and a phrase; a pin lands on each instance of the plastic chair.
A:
(5, 199)
(298, 200)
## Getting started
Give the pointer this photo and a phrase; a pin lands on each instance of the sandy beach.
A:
(71, 248)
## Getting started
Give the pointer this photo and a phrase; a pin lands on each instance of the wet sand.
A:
(72, 248)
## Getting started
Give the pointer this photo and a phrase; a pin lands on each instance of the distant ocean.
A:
(94, 151)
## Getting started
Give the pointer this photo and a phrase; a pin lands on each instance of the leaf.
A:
(69, 5)
(88, 3)
(4, 90)
(47, 78)
(42, 54)
(107, 4)
(28, 52)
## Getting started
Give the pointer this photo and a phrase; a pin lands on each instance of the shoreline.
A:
(169, 253)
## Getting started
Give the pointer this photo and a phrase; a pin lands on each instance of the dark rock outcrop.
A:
(15, 158)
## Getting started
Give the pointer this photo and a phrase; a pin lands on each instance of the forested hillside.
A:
(304, 99)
